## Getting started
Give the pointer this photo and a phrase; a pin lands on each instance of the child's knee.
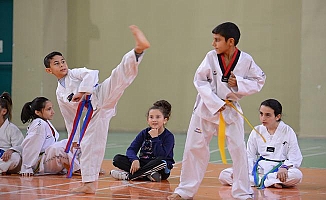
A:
(225, 176)
(15, 158)
(295, 174)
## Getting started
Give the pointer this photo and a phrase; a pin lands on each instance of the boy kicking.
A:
(78, 82)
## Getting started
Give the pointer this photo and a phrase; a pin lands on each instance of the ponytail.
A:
(28, 110)
(27, 113)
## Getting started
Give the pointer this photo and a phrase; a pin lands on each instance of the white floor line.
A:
(314, 154)
(311, 148)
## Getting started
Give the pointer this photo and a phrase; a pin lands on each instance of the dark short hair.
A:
(228, 30)
(48, 57)
(273, 104)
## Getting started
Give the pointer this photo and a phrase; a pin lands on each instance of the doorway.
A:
(6, 42)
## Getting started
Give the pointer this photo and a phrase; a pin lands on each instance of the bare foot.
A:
(87, 188)
(141, 41)
(277, 185)
(175, 196)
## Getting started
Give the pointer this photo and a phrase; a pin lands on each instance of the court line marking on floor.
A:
(145, 188)
(49, 187)
(311, 148)
(124, 184)
(314, 154)
(69, 194)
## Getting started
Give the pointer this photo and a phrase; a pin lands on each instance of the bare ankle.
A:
(174, 196)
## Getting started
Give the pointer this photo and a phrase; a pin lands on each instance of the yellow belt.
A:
(221, 131)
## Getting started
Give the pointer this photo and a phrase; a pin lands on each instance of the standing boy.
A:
(80, 82)
(226, 73)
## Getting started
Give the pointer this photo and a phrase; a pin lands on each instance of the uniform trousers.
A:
(196, 157)
(294, 177)
(12, 165)
(55, 159)
(108, 94)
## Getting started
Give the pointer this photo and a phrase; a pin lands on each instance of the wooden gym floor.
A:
(313, 186)
(56, 187)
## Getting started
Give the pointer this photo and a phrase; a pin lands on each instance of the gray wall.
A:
(280, 35)
(313, 68)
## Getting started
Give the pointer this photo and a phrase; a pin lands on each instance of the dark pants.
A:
(122, 162)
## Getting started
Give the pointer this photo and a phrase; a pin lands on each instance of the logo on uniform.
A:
(270, 149)
(198, 130)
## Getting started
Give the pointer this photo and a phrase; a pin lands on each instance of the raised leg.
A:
(141, 42)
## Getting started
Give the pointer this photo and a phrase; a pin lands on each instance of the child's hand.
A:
(282, 174)
(74, 145)
(77, 97)
(153, 132)
(7, 155)
(134, 166)
(232, 82)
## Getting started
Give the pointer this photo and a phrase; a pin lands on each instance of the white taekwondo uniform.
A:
(42, 152)
(281, 146)
(104, 100)
(10, 138)
(205, 119)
